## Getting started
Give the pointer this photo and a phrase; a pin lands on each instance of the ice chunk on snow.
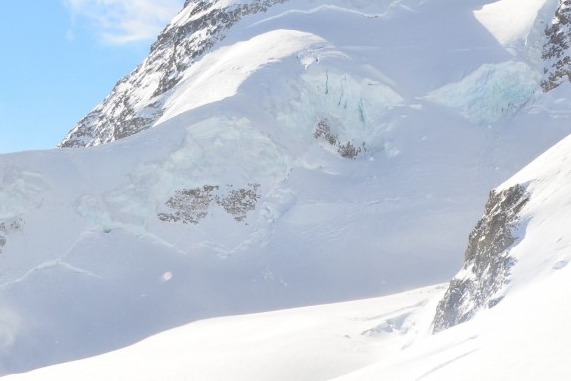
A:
(491, 92)
(20, 192)
(90, 208)
(201, 160)
(355, 109)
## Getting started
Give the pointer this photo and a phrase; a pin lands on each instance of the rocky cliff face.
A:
(482, 280)
(556, 50)
(137, 101)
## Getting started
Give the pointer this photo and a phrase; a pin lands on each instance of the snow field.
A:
(315, 343)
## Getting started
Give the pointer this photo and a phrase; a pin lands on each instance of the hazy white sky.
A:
(60, 58)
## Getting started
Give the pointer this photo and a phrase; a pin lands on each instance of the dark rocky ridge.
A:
(556, 51)
(487, 261)
(127, 111)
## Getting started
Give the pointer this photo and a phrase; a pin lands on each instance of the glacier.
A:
(490, 93)
(305, 152)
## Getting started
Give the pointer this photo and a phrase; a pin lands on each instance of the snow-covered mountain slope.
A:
(312, 343)
(137, 101)
(523, 334)
(381, 45)
(522, 236)
(322, 151)
(523, 337)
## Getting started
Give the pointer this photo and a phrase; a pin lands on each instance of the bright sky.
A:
(60, 58)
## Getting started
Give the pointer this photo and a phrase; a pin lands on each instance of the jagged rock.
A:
(137, 100)
(191, 205)
(239, 202)
(7, 227)
(346, 150)
(556, 51)
(487, 262)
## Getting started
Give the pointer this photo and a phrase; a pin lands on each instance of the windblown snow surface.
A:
(324, 151)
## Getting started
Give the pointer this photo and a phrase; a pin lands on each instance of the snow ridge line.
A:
(49, 265)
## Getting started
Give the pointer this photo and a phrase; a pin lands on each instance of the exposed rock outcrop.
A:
(487, 264)
(556, 52)
(137, 101)
(347, 150)
(189, 206)
(7, 227)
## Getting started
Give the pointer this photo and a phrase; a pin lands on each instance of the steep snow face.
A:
(543, 250)
(509, 21)
(521, 238)
(219, 74)
(511, 340)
